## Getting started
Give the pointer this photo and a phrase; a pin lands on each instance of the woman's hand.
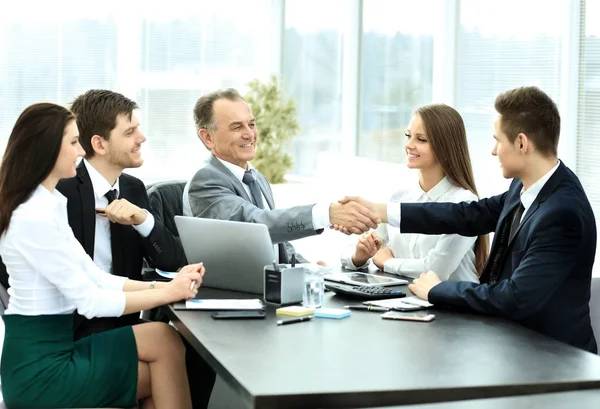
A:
(185, 285)
(382, 256)
(367, 247)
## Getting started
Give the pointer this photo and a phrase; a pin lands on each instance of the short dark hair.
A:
(97, 111)
(530, 111)
(204, 112)
(30, 155)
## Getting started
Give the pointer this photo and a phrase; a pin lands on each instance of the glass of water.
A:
(314, 288)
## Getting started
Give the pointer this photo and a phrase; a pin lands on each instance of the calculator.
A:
(365, 292)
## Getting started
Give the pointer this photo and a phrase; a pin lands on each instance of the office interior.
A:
(356, 69)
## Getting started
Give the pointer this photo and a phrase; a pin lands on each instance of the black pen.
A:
(366, 308)
(293, 321)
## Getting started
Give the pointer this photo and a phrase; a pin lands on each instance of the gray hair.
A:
(204, 112)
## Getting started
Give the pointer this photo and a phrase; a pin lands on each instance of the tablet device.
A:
(364, 279)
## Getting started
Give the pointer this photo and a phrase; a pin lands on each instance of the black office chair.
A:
(3, 275)
(3, 299)
(166, 202)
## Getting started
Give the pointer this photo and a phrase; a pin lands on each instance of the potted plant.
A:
(276, 122)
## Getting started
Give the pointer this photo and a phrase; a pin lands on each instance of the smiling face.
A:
(70, 151)
(235, 137)
(417, 146)
(125, 142)
(507, 152)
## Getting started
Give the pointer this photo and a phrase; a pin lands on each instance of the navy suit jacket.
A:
(161, 248)
(544, 281)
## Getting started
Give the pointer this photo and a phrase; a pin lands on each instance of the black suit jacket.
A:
(545, 278)
(160, 248)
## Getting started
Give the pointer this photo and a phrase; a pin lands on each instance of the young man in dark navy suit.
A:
(540, 266)
(119, 238)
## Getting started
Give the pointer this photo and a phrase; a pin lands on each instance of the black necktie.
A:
(111, 195)
(516, 220)
(506, 234)
(249, 180)
(115, 235)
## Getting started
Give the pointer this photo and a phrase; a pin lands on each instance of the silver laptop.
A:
(234, 253)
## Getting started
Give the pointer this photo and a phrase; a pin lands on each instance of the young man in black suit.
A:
(107, 212)
(540, 266)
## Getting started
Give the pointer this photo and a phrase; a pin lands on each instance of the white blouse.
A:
(49, 271)
(451, 256)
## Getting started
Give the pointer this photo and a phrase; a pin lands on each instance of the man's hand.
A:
(382, 256)
(123, 212)
(355, 217)
(379, 210)
(366, 248)
(422, 285)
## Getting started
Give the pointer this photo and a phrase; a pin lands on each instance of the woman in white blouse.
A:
(51, 276)
(436, 145)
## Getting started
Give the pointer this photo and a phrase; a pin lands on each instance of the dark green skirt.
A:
(42, 367)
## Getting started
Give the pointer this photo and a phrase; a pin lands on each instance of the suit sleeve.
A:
(541, 268)
(212, 195)
(467, 219)
(161, 248)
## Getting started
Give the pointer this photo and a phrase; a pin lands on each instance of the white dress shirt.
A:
(49, 271)
(528, 196)
(451, 256)
(320, 211)
(102, 244)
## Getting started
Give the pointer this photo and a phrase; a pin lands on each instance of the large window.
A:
(313, 58)
(588, 129)
(52, 55)
(396, 72)
(183, 54)
(494, 56)
(165, 58)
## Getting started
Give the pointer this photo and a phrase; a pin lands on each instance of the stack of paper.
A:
(393, 303)
(224, 305)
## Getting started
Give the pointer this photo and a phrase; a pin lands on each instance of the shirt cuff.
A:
(320, 215)
(114, 304)
(346, 261)
(393, 214)
(145, 228)
(392, 266)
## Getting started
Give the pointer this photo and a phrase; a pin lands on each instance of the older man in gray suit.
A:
(229, 188)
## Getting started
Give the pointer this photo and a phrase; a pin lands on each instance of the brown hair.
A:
(97, 111)
(30, 155)
(204, 109)
(446, 132)
(530, 111)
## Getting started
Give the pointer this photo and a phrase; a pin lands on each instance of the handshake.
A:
(355, 215)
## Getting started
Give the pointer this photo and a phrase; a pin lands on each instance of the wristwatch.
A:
(153, 285)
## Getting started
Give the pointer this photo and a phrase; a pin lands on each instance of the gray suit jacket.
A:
(215, 193)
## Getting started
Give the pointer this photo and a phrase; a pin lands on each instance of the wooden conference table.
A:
(365, 361)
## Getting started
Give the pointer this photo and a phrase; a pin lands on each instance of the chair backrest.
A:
(595, 307)
(3, 299)
(3, 275)
(166, 202)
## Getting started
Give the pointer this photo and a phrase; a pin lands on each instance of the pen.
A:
(293, 321)
(366, 308)
(193, 283)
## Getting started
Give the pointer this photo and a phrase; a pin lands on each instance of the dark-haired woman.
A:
(51, 276)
